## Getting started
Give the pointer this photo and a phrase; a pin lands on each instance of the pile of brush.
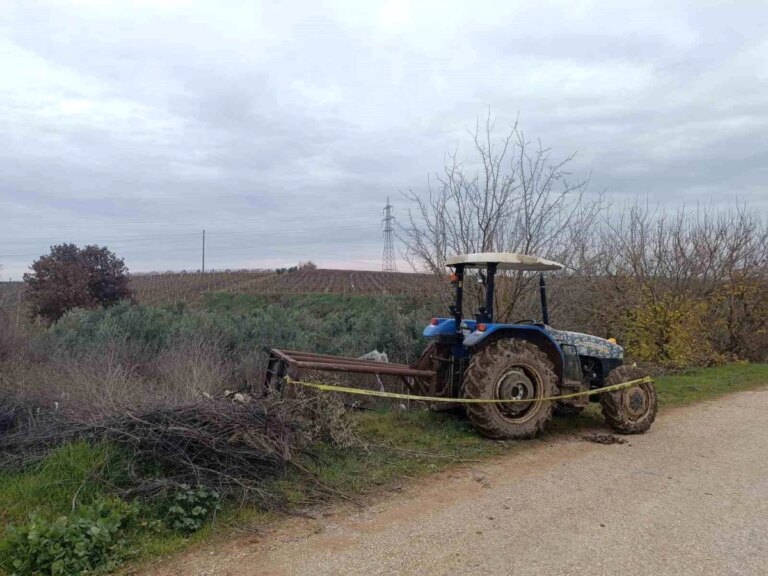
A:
(15, 412)
(232, 446)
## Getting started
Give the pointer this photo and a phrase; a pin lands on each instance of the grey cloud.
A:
(261, 123)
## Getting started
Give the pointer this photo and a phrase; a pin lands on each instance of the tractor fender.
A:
(533, 334)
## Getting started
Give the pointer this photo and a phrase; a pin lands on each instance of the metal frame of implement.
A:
(293, 363)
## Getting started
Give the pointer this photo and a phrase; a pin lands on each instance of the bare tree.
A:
(683, 286)
(511, 196)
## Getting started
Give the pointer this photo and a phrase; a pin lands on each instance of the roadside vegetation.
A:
(88, 482)
(145, 423)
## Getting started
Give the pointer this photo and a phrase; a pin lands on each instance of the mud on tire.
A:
(631, 410)
(505, 369)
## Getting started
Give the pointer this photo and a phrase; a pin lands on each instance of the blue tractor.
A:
(526, 360)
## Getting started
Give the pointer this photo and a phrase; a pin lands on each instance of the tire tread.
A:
(611, 402)
(477, 384)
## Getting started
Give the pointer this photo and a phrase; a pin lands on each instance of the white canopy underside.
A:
(504, 261)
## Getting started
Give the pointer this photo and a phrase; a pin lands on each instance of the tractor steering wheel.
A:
(527, 321)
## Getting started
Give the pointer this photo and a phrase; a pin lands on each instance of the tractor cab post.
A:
(457, 308)
(485, 314)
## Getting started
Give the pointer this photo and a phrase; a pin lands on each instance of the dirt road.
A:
(689, 497)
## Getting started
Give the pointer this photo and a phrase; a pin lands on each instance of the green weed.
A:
(91, 540)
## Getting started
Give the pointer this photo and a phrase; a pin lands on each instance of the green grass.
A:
(400, 445)
(707, 383)
(71, 475)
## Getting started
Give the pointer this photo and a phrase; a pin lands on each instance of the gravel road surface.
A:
(688, 497)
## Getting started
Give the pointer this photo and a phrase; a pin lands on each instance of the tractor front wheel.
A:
(507, 370)
(629, 410)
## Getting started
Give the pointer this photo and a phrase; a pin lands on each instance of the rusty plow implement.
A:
(418, 378)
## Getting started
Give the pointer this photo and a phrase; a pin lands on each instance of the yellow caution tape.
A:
(380, 394)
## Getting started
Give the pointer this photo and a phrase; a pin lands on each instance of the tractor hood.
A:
(586, 344)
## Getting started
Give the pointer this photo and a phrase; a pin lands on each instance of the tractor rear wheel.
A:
(505, 370)
(629, 410)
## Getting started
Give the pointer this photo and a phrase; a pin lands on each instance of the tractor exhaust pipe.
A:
(457, 308)
(543, 293)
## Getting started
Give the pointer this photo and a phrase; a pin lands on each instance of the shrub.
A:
(70, 277)
(670, 332)
(89, 542)
(127, 356)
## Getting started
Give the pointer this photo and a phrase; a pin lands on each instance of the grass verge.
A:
(707, 383)
(400, 445)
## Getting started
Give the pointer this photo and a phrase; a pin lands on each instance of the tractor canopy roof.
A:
(504, 261)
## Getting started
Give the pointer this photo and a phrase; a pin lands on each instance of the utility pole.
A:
(203, 250)
(388, 263)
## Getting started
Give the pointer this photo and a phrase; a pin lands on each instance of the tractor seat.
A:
(481, 315)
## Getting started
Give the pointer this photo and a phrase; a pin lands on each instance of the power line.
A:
(303, 235)
(214, 242)
(192, 223)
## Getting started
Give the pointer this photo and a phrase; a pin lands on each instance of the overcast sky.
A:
(281, 127)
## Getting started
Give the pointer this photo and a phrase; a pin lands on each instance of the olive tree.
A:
(71, 277)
